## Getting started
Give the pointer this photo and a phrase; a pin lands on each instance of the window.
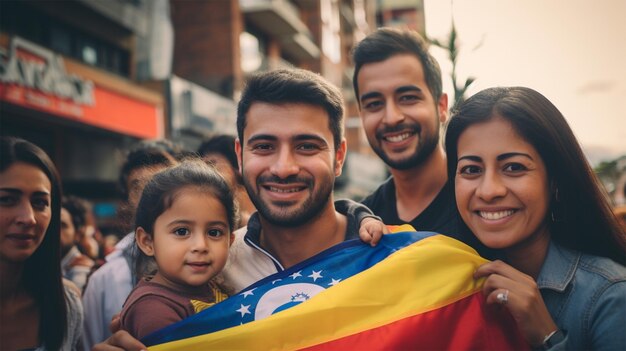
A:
(17, 18)
(331, 40)
(60, 40)
(87, 52)
(251, 54)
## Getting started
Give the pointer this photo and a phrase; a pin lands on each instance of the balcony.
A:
(275, 17)
(300, 46)
(281, 20)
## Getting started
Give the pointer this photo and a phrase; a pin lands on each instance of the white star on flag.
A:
(316, 275)
(296, 275)
(248, 293)
(244, 310)
(334, 282)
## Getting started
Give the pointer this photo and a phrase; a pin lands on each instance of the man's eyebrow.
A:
(257, 137)
(304, 137)
(370, 95)
(408, 88)
(399, 90)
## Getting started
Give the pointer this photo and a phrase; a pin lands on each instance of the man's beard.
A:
(287, 216)
(426, 144)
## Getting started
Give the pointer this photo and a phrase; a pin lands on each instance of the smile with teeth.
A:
(287, 190)
(495, 214)
(398, 137)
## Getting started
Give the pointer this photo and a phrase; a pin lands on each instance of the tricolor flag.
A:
(414, 290)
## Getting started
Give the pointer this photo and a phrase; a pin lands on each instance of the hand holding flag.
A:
(353, 296)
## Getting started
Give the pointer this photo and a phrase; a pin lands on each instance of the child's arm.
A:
(150, 313)
(371, 227)
(372, 230)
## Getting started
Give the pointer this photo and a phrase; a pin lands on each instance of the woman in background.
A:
(38, 311)
(524, 187)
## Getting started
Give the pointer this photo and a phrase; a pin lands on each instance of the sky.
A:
(571, 51)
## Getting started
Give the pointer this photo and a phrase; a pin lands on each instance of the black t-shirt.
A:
(441, 216)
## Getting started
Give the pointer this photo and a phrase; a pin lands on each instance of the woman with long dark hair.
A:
(524, 188)
(37, 310)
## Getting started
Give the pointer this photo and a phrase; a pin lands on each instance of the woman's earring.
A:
(556, 195)
(555, 205)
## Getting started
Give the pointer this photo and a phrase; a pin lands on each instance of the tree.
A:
(451, 46)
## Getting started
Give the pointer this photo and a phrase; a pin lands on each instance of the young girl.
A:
(184, 225)
(524, 188)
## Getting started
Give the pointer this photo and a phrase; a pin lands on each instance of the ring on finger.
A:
(503, 297)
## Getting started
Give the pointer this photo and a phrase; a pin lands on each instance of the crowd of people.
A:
(508, 179)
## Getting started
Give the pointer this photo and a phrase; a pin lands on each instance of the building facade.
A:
(86, 79)
(69, 83)
(218, 43)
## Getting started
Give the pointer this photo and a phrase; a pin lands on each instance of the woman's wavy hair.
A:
(42, 271)
(581, 216)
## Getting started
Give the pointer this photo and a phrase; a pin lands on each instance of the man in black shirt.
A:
(398, 86)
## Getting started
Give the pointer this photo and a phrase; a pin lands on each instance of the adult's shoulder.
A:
(563, 264)
(72, 292)
(74, 315)
(603, 267)
(117, 266)
(606, 281)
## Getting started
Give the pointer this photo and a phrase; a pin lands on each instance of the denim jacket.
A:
(586, 297)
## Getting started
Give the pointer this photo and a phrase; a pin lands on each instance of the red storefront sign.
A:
(34, 77)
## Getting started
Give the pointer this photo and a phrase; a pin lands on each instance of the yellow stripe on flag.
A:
(427, 275)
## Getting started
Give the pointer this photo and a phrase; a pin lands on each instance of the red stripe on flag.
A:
(467, 324)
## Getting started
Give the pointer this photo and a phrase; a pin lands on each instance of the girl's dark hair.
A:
(42, 271)
(582, 217)
(160, 193)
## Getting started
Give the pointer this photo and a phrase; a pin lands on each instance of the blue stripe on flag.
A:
(286, 289)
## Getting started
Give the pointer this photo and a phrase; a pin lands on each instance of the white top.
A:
(74, 319)
(106, 292)
(246, 264)
(77, 274)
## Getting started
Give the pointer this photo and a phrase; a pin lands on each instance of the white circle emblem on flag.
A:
(283, 297)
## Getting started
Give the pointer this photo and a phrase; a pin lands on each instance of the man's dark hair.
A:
(293, 85)
(146, 154)
(387, 42)
(222, 144)
(78, 210)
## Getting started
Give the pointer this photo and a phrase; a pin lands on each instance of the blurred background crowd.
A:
(91, 81)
